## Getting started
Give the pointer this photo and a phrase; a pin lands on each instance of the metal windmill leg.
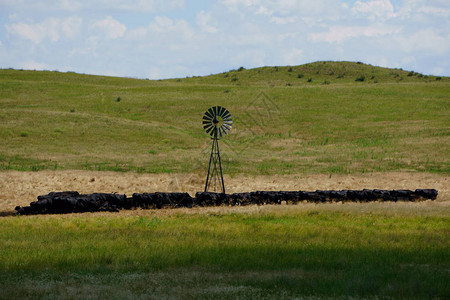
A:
(220, 167)
(214, 179)
(209, 167)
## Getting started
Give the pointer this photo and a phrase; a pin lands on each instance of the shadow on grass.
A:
(7, 213)
(256, 273)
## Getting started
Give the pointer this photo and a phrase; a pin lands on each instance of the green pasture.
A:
(319, 118)
(349, 118)
(270, 253)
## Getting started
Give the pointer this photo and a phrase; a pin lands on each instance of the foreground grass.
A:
(278, 253)
(283, 124)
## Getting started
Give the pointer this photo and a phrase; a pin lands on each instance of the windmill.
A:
(217, 123)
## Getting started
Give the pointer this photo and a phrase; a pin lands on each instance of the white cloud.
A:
(48, 29)
(161, 24)
(69, 5)
(148, 5)
(111, 27)
(71, 26)
(204, 20)
(408, 8)
(234, 4)
(341, 33)
(262, 10)
(107, 6)
(284, 8)
(318, 8)
(374, 9)
(426, 8)
(434, 10)
(281, 21)
(137, 33)
(424, 40)
(167, 25)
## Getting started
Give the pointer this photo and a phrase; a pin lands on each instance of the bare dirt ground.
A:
(21, 188)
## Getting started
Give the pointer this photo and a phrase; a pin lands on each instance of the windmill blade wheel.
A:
(217, 121)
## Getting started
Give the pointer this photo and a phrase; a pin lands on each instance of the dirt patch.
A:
(20, 188)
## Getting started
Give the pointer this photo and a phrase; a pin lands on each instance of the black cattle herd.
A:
(74, 202)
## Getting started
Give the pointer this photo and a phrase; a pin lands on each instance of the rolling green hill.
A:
(323, 117)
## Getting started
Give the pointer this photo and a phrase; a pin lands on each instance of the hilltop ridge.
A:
(321, 72)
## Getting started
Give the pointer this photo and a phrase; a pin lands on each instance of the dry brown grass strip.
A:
(21, 188)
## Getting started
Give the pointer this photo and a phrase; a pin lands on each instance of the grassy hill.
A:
(325, 72)
(324, 117)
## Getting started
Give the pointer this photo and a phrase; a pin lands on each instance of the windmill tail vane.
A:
(217, 122)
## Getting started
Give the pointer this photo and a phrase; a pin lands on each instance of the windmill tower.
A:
(216, 122)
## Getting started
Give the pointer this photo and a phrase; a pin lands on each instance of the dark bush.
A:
(360, 78)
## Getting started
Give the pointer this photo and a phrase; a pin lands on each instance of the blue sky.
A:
(177, 38)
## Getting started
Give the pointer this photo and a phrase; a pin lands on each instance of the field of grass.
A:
(269, 252)
(389, 119)
(307, 121)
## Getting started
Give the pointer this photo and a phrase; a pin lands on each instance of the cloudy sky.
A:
(178, 38)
